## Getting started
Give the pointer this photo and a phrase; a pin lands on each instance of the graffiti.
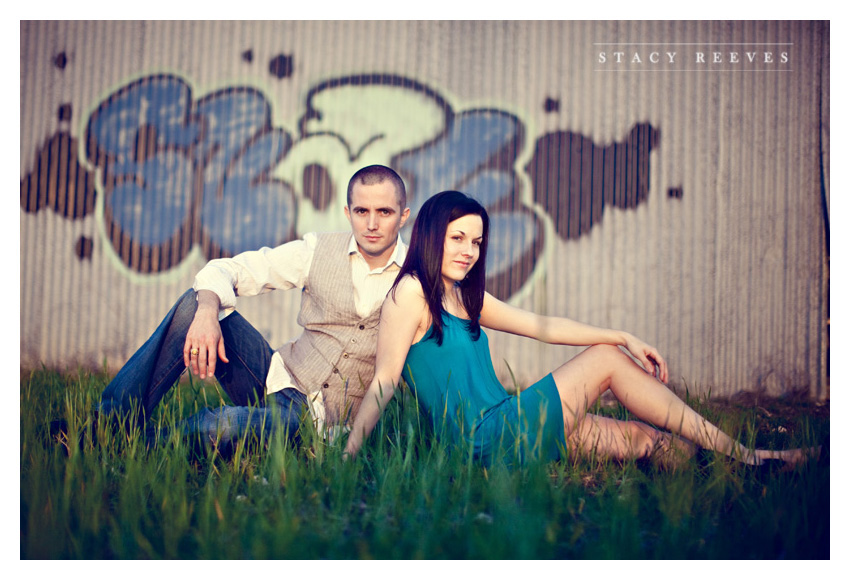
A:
(435, 148)
(58, 181)
(281, 66)
(178, 171)
(365, 111)
(60, 61)
(317, 186)
(574, 179)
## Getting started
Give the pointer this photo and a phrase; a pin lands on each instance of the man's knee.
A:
(185, 308)
(188, 300)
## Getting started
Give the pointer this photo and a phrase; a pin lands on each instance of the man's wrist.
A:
(208, 300)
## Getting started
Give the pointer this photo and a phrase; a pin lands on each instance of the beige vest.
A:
(336, 350)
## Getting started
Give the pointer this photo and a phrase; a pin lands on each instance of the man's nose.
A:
(373, 222)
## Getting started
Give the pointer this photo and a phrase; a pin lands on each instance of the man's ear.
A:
(347, 214)
(404, 215)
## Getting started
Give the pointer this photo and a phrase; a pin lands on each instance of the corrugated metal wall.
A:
(684, 201)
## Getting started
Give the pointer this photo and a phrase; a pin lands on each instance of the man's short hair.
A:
(374, 174)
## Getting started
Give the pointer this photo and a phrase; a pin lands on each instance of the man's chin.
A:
(376, 247)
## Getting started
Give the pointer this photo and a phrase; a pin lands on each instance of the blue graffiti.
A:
(474, 151)
(477, 155)
(459, 160)
(178, 171)
(152, 207)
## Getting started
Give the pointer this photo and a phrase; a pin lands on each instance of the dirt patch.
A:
(789, 407)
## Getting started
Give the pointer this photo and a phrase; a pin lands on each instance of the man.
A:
(344, 278)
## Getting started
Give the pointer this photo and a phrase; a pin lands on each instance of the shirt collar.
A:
(398, 255)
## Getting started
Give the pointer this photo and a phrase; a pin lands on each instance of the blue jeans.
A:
(140, 385)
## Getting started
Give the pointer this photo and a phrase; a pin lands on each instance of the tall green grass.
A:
(106, 494)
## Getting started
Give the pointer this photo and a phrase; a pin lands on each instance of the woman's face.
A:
(461, 248)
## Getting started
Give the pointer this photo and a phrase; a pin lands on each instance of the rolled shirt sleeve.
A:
(258, 271)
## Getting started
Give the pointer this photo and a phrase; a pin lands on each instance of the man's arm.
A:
(258, 271)
(246, 274)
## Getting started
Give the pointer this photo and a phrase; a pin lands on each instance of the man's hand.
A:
(204, 340)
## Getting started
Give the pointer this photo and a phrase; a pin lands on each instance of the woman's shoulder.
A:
(409, 286)
(407, 300)
(406, 294)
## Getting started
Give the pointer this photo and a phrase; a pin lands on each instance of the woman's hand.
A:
(651, 360)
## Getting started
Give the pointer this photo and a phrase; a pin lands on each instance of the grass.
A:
(110, 496)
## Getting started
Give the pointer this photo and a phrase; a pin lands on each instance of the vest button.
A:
(325, 386)
(362, 327)
(345, 355)
(336, 371)
(353, 340)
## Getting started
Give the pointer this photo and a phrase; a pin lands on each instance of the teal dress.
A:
(456, 387)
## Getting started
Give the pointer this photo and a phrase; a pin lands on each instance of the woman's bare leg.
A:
(612, 438)
(583, 379)
(622, 440)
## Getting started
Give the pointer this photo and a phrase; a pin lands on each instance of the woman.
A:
(430, 333)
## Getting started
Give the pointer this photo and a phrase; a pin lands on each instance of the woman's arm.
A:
(401, 316)
(498, 315)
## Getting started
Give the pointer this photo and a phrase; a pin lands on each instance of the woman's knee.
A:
(593, 368)
(605, 355)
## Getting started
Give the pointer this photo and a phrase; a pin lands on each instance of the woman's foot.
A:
(790, 457)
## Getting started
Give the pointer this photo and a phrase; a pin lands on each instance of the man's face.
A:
(376, 217)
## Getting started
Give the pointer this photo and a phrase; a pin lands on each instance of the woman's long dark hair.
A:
(425, 258)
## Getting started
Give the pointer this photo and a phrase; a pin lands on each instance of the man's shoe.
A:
(58, 430)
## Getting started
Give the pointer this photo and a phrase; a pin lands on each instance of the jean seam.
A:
(168, 370)
(171, 321)
(250, 370)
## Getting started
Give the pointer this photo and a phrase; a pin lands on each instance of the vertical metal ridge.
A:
(728, 275)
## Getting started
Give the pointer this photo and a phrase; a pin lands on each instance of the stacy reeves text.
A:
(696, 57)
